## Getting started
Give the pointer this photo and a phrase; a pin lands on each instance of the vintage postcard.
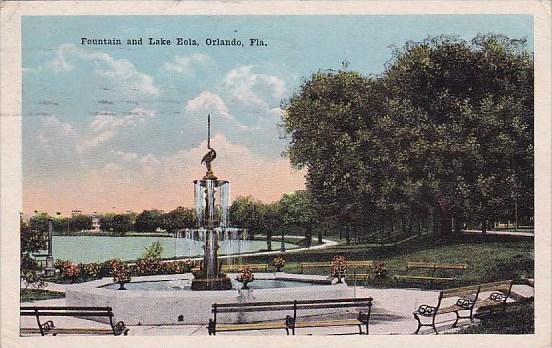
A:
(209, 173)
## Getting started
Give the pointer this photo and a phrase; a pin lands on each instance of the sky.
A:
(116, 128)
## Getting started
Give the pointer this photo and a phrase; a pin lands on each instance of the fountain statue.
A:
(209, 276)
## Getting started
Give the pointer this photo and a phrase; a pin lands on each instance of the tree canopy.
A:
(445, 132)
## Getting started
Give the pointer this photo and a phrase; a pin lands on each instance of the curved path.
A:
(325, 244)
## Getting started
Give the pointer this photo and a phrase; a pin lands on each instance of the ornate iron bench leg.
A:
(211, 328)
(419, 323)
(290, 324)
(457, 318)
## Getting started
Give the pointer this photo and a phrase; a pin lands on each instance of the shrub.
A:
(245, 275)
(33, 279)
(147, 266)
(106, 268)
(61, 264)
(154, 251)
(71, 271)
(121, 273)
(176, 267)
(91, 270)
(339, 267)
(278, 263)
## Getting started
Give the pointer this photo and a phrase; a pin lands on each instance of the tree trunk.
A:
(269, 241)
(446, 221)
(348, 235)
(308, 236)
(320, 236)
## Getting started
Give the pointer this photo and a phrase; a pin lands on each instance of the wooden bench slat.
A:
(254, 309)
(253, 326)
(65, 308)
(326, 323)
(74, 331)
(333, 305)
(249, 304)
(424, 278)
(335, 300)
(68, 314)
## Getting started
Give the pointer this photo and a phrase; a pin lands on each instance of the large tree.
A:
(298, 213)
(247, 212)
(148, 221)
(179, 218)
(446, 131)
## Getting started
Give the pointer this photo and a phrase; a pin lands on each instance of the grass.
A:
(488, 258)
(29, 295)
(519, 318)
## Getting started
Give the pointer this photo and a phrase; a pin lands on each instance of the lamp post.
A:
(50, 270)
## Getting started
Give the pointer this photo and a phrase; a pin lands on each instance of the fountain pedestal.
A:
(209, 277)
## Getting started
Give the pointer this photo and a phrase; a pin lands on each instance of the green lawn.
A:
(488, 258)
(29, 295)
(519, 318)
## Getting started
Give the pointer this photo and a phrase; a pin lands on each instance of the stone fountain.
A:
(211, 214)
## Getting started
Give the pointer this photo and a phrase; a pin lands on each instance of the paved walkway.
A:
(503, 233)
(391, 315)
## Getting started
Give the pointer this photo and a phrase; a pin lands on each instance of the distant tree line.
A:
(441, 140)
(121, 223)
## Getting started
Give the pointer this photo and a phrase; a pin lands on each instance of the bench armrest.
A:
(120, 329)
(426, 310)
(363, 317)
(48, 327)
(498, 297)
(290, 322)
(465, 303)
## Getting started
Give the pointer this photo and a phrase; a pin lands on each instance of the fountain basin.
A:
(163, 307)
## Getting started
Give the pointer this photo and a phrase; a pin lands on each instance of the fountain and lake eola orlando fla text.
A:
(209, 275)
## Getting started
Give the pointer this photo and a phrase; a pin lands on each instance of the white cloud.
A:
(126, 156)
(105, 126)
(244, 85)
(121, 72)
(188, 64)
(208, 102)
(52, 131)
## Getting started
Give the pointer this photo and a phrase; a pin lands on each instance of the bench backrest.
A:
(62, 311)
(474, 290)
(435, 265)
(461, 292)
(502, 286)
(367, 263)
(315, 264)
(290, 305)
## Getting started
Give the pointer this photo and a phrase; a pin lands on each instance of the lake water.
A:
(101, 248)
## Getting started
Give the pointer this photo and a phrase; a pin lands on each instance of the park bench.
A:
(307, 265)
(259, 267)
(291, 322)
(366, 267)
(47, 327)
(499, 294)
(363, 270)
(429, 272)
(467, 300)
